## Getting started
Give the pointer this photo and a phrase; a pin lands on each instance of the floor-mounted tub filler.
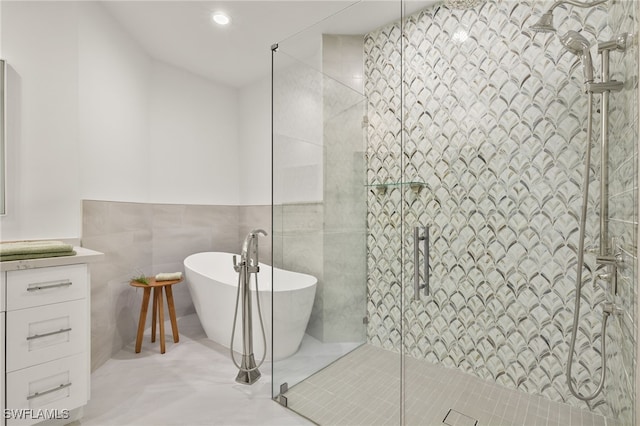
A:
(213, 284)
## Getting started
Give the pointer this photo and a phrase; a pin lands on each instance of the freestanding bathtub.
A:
(213, 284)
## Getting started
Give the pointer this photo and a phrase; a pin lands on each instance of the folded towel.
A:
(169, 276)
(9, 257)
(34, 247)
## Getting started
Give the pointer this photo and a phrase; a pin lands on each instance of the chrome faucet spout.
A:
(259, 231)
(250, 245)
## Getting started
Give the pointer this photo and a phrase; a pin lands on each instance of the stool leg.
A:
(172, 313)
(155, 314)
(143, 318)
(161, 320)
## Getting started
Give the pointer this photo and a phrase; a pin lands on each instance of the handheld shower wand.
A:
(575, 43)
(578, 45)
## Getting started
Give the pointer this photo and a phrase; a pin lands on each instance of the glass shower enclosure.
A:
(320, 207)
(428, 169)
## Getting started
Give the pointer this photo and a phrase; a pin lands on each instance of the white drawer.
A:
(2, 377)
(42, 286)
(57, 385)
(41, 334)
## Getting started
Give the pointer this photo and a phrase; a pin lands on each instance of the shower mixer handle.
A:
(610, 308)
(612, 262)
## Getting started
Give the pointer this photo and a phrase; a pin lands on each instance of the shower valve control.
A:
(611, 309)
(612, 262)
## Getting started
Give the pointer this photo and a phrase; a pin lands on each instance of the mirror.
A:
(3, 130)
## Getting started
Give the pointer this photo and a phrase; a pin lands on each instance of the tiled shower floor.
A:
(362, 388)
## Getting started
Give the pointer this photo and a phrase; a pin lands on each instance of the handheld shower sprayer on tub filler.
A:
(248, 265)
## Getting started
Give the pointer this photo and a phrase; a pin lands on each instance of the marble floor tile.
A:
(193, 383)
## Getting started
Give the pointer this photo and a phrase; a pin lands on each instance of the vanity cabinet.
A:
(2, 349)
(46, 330)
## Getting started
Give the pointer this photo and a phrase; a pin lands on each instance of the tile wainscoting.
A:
(151, 238)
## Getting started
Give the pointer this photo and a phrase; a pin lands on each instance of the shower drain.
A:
(456, 418)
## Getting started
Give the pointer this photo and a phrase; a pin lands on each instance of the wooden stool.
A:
(158, 310)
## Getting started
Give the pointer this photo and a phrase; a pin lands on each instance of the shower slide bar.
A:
(416, 261)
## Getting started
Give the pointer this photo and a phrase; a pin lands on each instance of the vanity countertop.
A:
(83, 255)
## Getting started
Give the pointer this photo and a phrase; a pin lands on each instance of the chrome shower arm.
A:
(545, 23)
(576, 3)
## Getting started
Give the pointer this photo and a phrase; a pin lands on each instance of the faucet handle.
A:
(592, 250)
(616, 260)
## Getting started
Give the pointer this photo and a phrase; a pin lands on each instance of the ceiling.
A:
(181, 32)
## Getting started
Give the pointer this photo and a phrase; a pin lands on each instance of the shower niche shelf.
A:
(381, 188)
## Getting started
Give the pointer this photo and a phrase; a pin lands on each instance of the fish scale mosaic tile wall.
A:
(492, 122)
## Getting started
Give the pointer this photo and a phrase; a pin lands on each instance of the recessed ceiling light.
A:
(221, 18)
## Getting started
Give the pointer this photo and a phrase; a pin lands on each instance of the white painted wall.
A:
(151, 132)
(255, 143)
(92, 116)
(114, 113)
(194, 143)
(39, 42)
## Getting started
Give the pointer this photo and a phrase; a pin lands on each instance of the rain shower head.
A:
(545, 23)
(575, 43)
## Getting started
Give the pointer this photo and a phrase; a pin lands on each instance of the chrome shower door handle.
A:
(426, 260)
(416, 261)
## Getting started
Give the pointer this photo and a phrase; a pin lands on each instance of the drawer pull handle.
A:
(57, 388)
(44, 287)
(38, 336)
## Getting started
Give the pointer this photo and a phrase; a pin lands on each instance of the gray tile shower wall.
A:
(492, 120)
(299, 246)
(150, 238)
(319, 169)
(345, 204)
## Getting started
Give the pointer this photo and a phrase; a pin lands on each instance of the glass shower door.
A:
(336, 197)
(319, 217)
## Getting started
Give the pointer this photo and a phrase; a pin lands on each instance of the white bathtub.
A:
(213, 285)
